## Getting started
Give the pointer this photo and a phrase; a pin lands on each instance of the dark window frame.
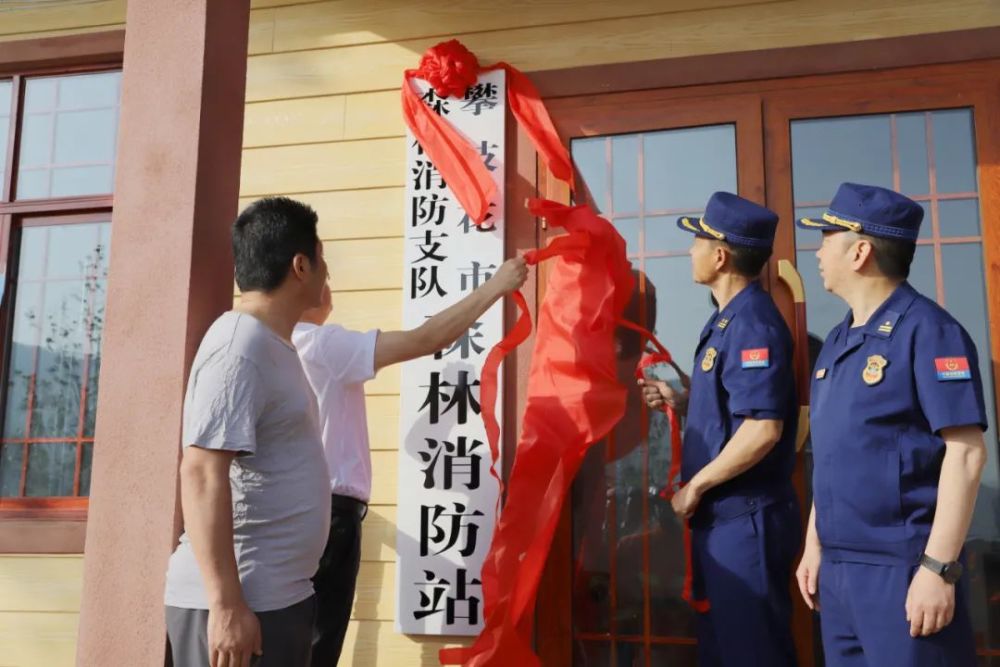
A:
(55, 524)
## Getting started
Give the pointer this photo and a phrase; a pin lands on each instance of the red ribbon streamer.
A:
(574, 397)
(574, 400)
(647, 361)
(450, 68)
(488, 383)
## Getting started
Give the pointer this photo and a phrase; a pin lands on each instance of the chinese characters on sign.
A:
(447, 498)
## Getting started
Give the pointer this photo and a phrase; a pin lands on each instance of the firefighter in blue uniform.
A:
(738, 448)
(897, 437)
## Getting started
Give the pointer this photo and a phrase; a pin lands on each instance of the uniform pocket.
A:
(881, 494)
(894, 494)
(869, 495)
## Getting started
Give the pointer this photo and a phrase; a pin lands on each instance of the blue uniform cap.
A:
(869, 209)
(735, 220)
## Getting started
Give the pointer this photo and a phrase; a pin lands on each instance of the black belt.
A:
(348, 505)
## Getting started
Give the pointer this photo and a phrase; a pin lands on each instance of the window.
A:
(627, 578)
(57, 152)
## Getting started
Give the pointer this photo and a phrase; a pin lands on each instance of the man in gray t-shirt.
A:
(254, 486)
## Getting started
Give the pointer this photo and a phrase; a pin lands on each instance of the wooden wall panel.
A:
(377, 644)
(345, 165)
(38, 639)
(378, 536)
(365, 264)
(40, 584)
(383, 422)
(382, 309)
(39, 609)
(354, 214)
(349, 22)
(379, 66)
(66, 16)
(384, 471)
(375, 597)
(284, 122)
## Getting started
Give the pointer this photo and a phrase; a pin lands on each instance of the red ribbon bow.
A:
(451, 68)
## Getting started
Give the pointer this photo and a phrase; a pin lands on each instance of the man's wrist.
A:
(699, 485)
(949, 571)
(226, 598)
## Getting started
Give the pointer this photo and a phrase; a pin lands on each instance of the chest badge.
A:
(874, 369)
(821, 373)
(708, 361)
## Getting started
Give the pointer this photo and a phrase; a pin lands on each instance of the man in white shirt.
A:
(252, 482)
(338, 362)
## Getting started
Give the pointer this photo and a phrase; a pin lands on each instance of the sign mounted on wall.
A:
(448, 498)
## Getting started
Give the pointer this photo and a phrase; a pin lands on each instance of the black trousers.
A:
(335, 580)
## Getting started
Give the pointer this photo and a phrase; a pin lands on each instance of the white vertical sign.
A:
(447, 498)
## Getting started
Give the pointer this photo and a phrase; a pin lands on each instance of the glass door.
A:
(610, 595)
(930, 145)
(642, 166)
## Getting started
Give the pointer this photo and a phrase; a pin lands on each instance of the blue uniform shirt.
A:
(743, 369)
(881, 394)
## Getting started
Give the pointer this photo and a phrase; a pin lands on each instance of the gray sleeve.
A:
(224, 400)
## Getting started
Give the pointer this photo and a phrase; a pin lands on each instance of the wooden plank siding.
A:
(39, 609)
(323, 125)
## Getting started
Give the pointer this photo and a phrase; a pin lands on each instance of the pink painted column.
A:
(171, 274)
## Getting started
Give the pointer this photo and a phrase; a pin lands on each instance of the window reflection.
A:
(68, 135)
(51, 387)
(627, 545)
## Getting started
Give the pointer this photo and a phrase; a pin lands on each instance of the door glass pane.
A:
(857, 149)
(929, 156)
(68, 135)
(51, 387)
(682, 168)
(628, 548)
(959, 217)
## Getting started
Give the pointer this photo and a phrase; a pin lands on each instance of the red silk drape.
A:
(450, 68)
(574, 399)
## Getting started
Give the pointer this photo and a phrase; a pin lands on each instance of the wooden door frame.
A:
(604, 116)
(977, 89)
(923, 86)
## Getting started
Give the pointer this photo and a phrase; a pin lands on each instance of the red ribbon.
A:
(574, 399)
(488, 382)
(451, 68)
(673, 476)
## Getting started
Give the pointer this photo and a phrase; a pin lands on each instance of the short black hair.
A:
(267, 236)
(748, 261)
(892, 256)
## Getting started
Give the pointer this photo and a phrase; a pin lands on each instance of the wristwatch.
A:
(950, 572)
